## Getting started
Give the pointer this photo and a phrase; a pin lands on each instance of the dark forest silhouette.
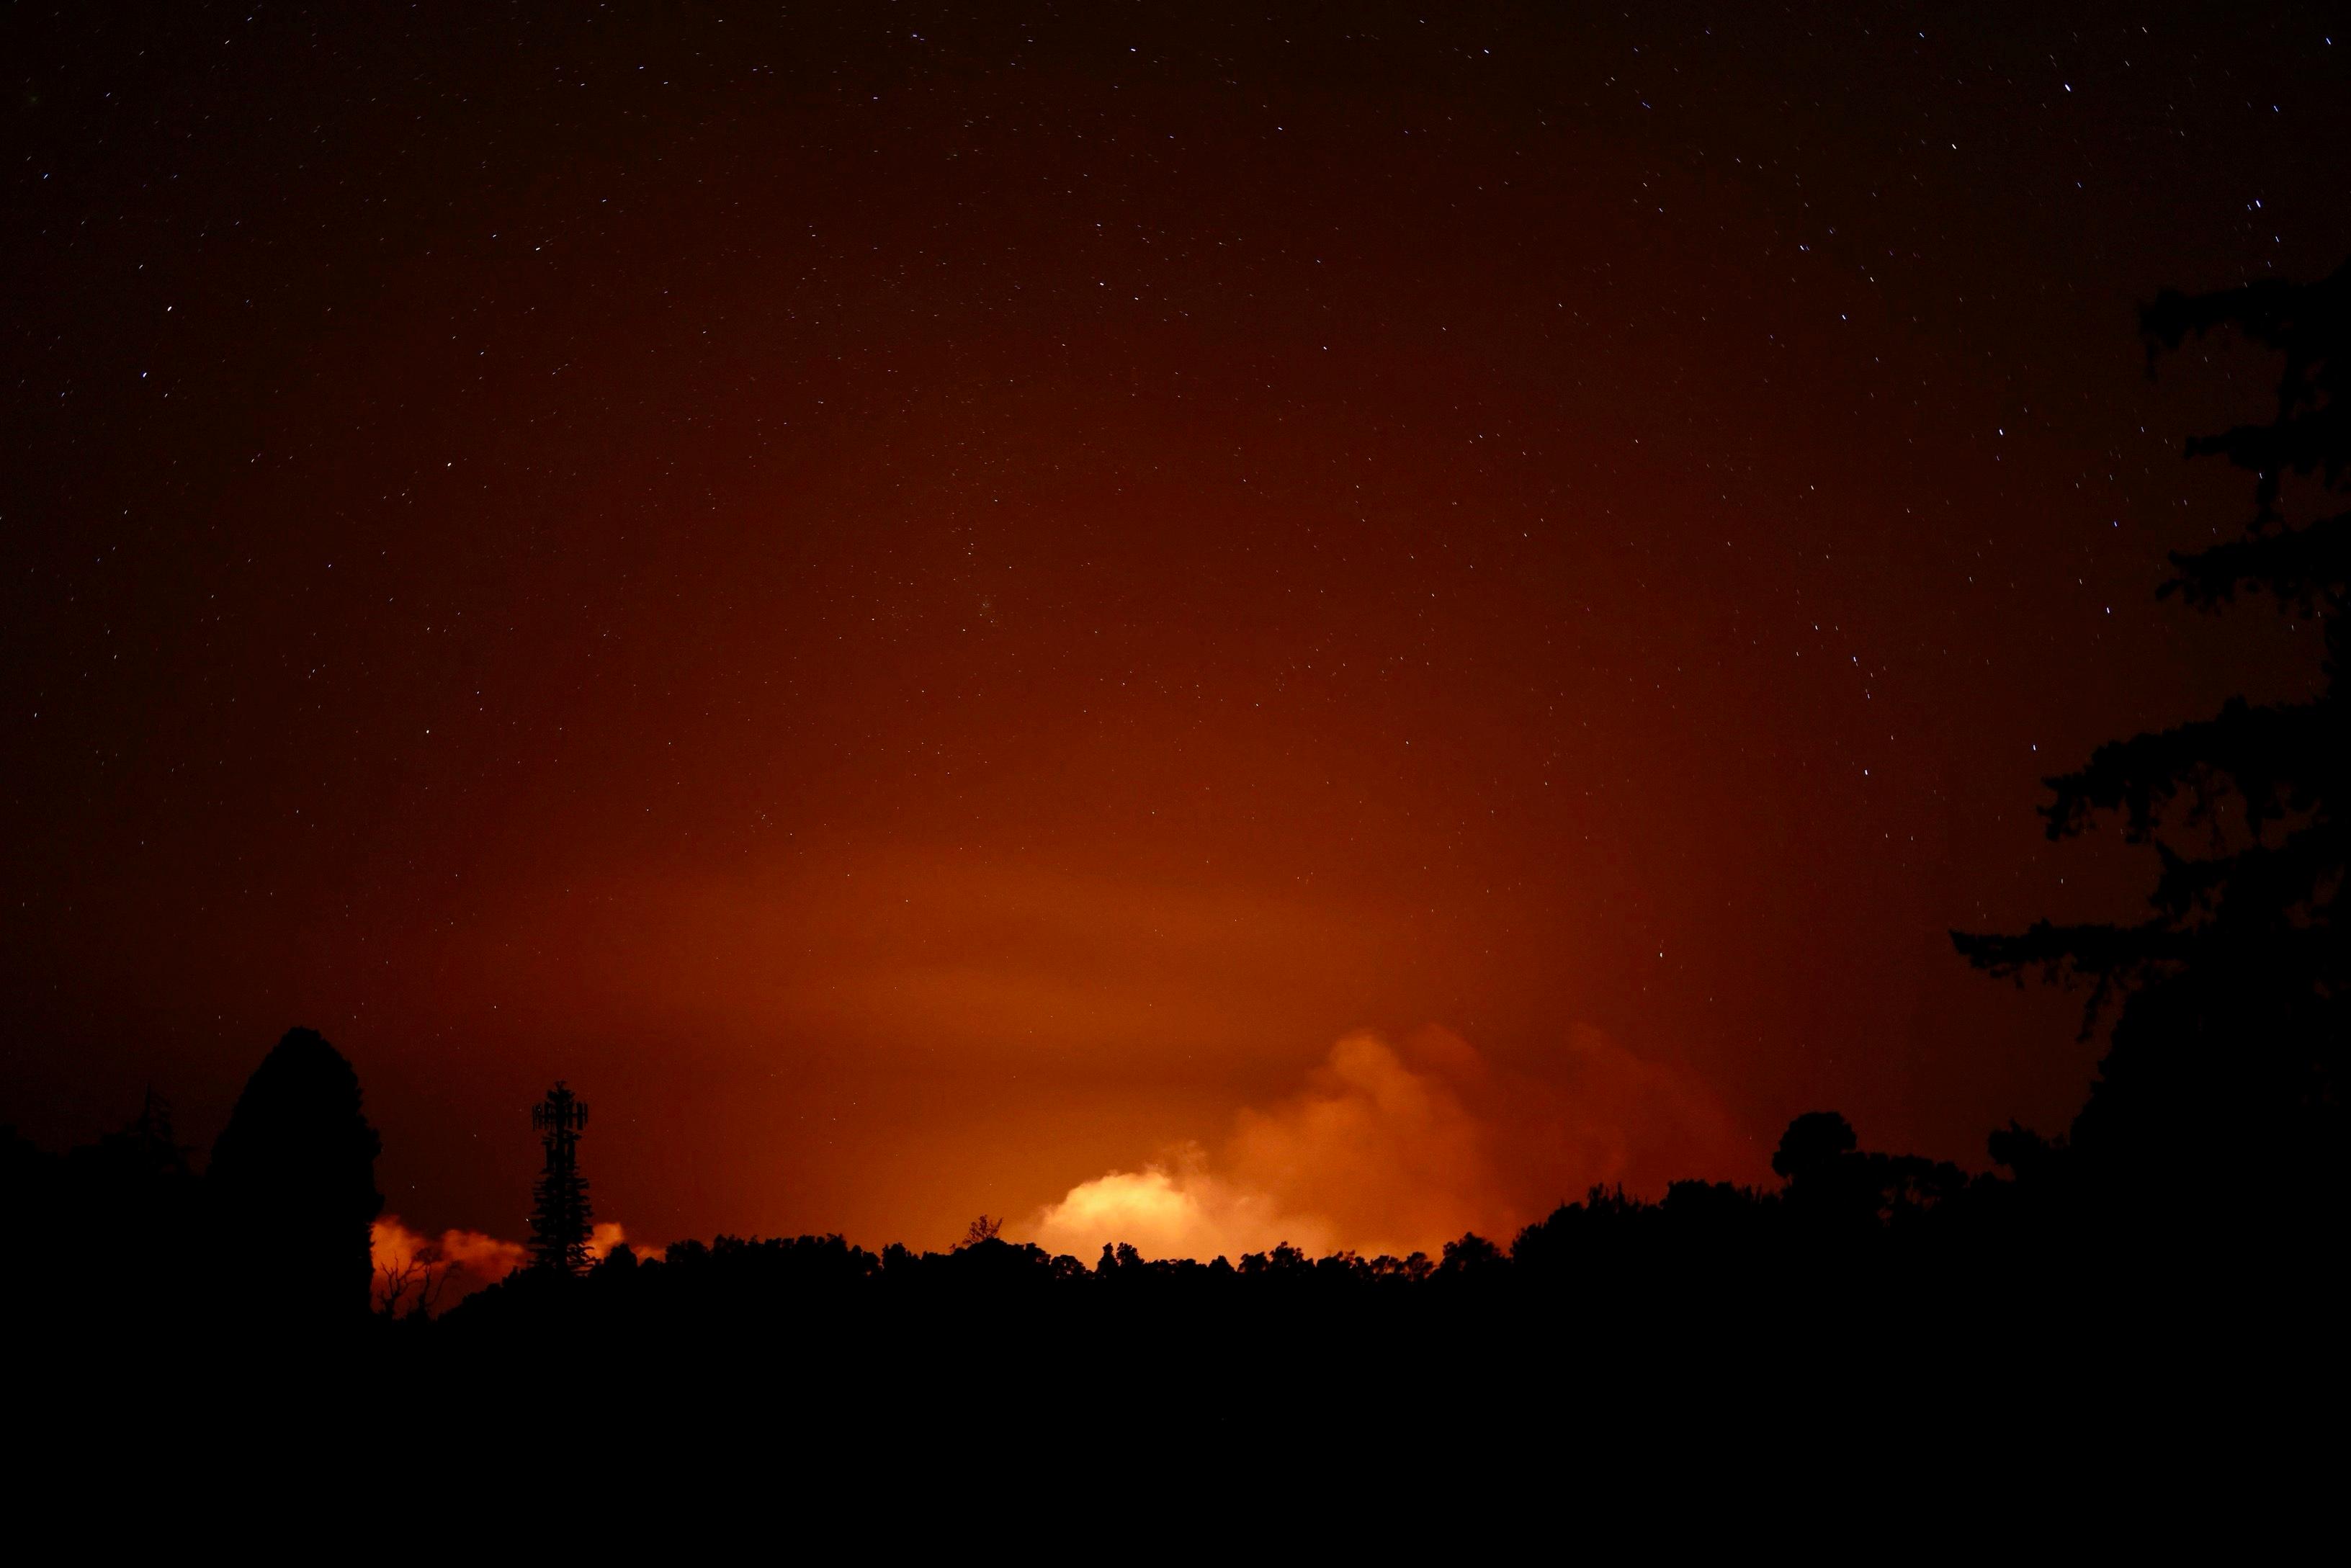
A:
(2206, 1170)
(276, 1229)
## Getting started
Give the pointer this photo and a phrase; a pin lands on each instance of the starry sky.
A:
(927, 603)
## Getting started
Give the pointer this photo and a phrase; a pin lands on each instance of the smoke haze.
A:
(1400, 1149)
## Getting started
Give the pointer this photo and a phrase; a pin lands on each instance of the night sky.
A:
(1363, 614)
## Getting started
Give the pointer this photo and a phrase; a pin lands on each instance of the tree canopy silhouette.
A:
(2227, 1051)
(293, 1179)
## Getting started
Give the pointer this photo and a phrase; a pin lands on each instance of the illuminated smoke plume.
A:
(409, 1267)
(1391, 1149)
(608, 1235)
(462, 1262)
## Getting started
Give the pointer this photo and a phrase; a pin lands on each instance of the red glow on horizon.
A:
(931, 621)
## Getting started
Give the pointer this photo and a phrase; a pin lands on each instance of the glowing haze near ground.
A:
(1136, 619)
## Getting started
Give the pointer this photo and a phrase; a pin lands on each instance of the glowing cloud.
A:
(606, 1237)
(409, 1265)
(1174, 1210)
(413, 1269)
(1399, 1150)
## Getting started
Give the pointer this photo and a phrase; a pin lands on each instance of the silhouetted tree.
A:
(981, 1229)
(2227, 1055)
(293, 1182)
(1812, 1146)
(1471, 1257)
(411, 1287)
(561, 1219)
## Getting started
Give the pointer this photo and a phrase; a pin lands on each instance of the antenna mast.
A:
(561, 1218)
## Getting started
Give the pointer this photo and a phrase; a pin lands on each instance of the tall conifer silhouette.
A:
(2228, 1054)
(559, 1216)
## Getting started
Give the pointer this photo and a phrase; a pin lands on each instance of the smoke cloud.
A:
(409, 1266)
(1401, 1148)
(460, 1262)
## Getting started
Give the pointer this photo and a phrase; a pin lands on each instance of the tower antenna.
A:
(559, 1216)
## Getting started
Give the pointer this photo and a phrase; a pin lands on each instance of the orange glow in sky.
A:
(1162, 625)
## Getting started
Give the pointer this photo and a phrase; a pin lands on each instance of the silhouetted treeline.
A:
(124, 1233)
(1846, 1225)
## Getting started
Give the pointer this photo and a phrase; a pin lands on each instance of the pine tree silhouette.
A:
(559, 1216)
(2228, 1054)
